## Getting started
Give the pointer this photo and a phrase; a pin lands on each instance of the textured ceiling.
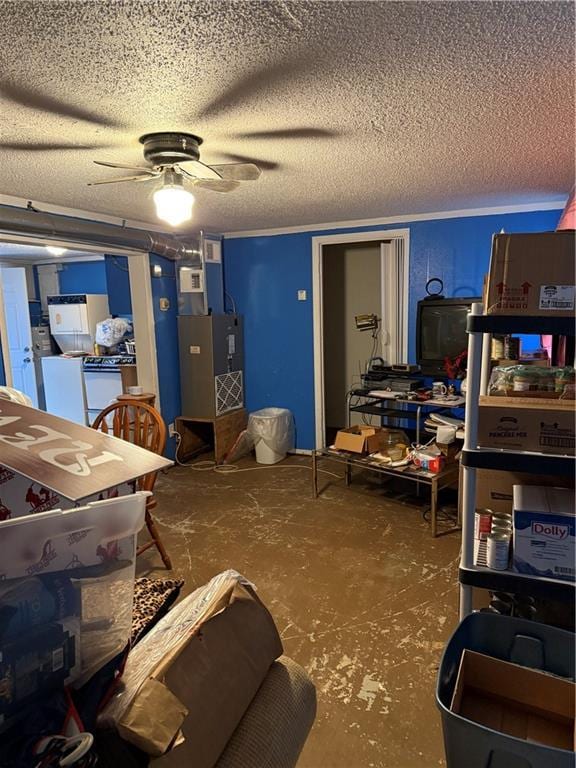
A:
(416, 106)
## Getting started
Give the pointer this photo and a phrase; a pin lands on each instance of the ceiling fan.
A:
(175, 158)
(171, 157)
(179, 154)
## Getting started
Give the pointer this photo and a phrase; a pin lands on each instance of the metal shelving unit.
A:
(480, 329)
(399, 410)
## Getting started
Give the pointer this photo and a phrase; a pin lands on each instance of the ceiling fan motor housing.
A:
(170, 148)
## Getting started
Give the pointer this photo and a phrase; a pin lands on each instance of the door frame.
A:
(142, 305)
(350, 238)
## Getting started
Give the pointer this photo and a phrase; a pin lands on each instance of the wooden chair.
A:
(141, 425)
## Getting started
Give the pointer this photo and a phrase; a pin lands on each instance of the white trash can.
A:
(272, 430)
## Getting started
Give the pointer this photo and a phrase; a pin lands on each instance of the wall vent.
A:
(191, 280)
(213, 251)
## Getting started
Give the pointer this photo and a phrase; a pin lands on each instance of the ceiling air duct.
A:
(31, 222)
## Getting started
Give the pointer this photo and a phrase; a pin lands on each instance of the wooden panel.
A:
(199, 435)
(68, 458)
(226, 429)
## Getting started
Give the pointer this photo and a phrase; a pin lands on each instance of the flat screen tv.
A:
(441, 332)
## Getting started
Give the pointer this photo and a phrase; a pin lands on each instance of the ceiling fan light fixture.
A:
(55, 250)
(173, 202)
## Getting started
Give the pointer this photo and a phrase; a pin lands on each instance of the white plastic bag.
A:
(111, 331)
(275, 426)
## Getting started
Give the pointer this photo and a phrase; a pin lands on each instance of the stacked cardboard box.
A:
(532, 274)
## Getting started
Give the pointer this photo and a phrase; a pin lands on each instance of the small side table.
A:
(146, 397)
(447, 477)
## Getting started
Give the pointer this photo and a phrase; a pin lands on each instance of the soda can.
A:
(502, 515)
(482, 523)
(498, 551)
(482, 528)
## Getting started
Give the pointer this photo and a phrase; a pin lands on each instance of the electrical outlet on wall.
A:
(171, 429)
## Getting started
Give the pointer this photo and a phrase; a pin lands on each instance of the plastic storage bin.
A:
(527, 643)
(66, 591)
(272, 430)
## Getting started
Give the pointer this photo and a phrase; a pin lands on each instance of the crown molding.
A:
(554, 205)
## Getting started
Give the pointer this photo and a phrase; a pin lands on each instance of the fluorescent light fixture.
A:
(173, 202)
(55, 250)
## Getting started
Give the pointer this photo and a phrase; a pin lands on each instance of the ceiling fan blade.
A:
(21, 146)
(238, 171)
(126, 166)
(199, 170)
(264, 165)
(222, 185)
(28, 97)
(120, 178)
(288, 133)
(267, 79)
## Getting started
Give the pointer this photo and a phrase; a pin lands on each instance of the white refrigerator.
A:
(64, 387)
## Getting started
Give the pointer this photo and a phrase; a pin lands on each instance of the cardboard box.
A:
(521, 702)
(530, 424)
(544, 532)
(212, 652)
(450, 451)
(360, 439)
(532, 274)
(494, 488)
(538, 362)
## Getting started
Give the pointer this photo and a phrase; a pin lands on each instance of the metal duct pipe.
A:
(34, 223)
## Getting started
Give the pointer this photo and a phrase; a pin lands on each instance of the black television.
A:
(441, 332)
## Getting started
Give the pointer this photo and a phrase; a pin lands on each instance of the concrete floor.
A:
(363, 596)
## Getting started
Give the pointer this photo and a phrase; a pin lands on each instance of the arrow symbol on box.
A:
(526, 287)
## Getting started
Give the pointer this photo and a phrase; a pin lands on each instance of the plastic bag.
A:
(163, 639)
(275, 426)
(532, 381)
(111, 331)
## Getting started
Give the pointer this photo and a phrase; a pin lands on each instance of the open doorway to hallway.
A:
(355, 274)
(352, 286)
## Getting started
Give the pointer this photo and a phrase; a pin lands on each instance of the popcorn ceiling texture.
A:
(432, 106)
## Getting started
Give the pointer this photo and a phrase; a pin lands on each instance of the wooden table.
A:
(435, 481)
(145, 397)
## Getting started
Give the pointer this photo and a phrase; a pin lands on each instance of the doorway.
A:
(27, 276)
(17, 342)
(355, 274)
(351, 287)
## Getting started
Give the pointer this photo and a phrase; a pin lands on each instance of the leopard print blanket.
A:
(153, 598)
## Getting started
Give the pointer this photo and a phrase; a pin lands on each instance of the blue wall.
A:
(108, 276)
(83, 277)
(118, 285)
(263, 274)
(166, 330)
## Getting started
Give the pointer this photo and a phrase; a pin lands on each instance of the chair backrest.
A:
(137, 423)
